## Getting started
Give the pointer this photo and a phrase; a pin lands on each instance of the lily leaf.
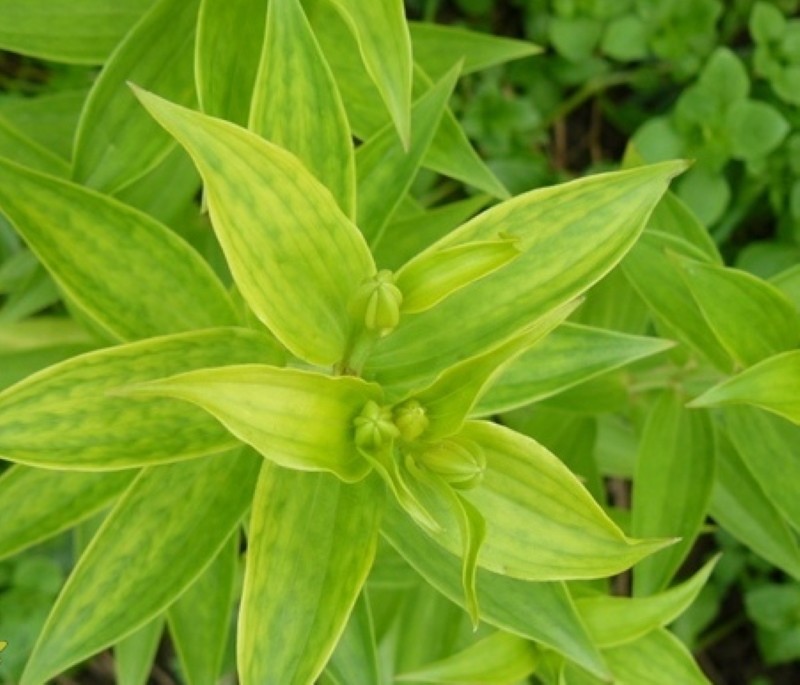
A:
(173, 520)
(356, 655)
(284, 236)
(303, 114)
(297, 419)
(311, 544)
(74, 416)
(134, 655)
(772, 384)
(95, 247)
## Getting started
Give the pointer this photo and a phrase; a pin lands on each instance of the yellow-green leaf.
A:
(772, 384)
(311, 543)
(163, 532)
(298, 419)
(303, 113)
(134, 655)
(96, 248)
(285, 239)
(356, 655)
(74, 415)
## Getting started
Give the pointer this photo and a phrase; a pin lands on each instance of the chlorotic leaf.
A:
(311, 543)
(96, 247)
(297, 419)
(74, 415)
(303, 114)
(173, 520)
(285, 239)
(772, 384)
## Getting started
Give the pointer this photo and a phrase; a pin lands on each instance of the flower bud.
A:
(410, 420)
(374, 426)
(460, 462)
(379, 300)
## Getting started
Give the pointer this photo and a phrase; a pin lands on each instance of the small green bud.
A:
(460, 462)
(374, 426)
(379, 300)
(410, 419)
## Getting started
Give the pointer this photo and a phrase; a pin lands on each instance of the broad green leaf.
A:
(658, 658)
(230, 34)
(755, 129)
(788, 282)
(570, 355)
(542, 612)
(18, 364)
(673, 217)
(772, 384)
(656, 279)
(311, 543)
(437, 48)
(541, 524)
(134, 655)
(452, 396)
(66, 31)
(356, 655)
(42, 331)
(742, 508)
(36, 504)
(406, 236)
(200, 619)
(16, 146)
(284, 237)
(96, 248)
(612, 303)
(672, 485)
(35, 293)
(49, 119)
(498, 659)
(381, 31)
(117, 142)
(297, 419)
(303, 114)
(569, 235)
(451, 152)
(614, 621)
(750, 317)
(386, 167)
(172, 521)
(436, 275)
(75, 415)
(768, 444)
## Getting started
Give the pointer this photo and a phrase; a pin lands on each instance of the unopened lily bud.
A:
(379, 300)
(460, 462)
(410, 419)
(374, 426)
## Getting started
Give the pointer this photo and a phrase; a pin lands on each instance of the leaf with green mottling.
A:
(311, 543)
(570, 355)
(17, 147)
(541, 523)
(134, 655)
(161, 535)
(542, 612)
(742, 508)
(386, 167)
(298, 419)
(303, 113)
(36, 504)
(75, 416)
(285, 239)
(356, 655)
(200, 619)
(230, 34)
(95, 247)
(116, 141)
(614, 621)
(768, 444)
(66, 31)
(438, 47)
(751, 318)
(569, 236)
(672, 485)
(498, 659)
(384, 43)
(772, 384)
